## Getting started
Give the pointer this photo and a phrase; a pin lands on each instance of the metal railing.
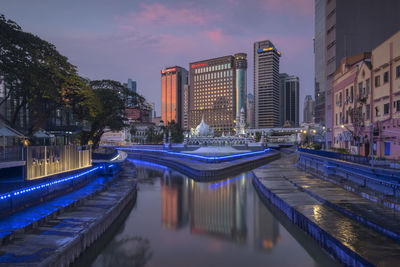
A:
(43, 161)
(13, 153)
(346, 157)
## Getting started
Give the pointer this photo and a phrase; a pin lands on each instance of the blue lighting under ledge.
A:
(44, 185)
(194, 156)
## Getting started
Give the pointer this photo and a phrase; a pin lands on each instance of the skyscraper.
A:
(308, 109)
(131, 85)
(351, 28)
(173, 80)
(289, 99)
(213, 95)
(250, 111)
(266, 84)
(241, 85)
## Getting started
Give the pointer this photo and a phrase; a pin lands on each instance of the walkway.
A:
(64, 232)
(341, 215)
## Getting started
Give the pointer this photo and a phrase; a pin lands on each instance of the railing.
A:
(43, 161)
(13, 153)
(346, 157)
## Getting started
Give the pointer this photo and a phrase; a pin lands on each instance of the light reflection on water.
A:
(179, 222)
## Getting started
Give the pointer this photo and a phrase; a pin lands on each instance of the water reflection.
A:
(188, 223)
(266, 227)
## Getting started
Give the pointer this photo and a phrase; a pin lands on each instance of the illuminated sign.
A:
(169, 70)
(268, 49)
(198, 65)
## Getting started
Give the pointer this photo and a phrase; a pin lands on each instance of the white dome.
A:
(203, 129)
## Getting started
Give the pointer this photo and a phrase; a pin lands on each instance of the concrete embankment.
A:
(203, 171)
(64, 235)
(303, 199)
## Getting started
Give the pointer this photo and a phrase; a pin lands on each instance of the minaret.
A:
(241, 87)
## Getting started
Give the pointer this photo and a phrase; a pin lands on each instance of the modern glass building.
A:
(266, 85)
(289, 87)
(173, 80)
(241, 84)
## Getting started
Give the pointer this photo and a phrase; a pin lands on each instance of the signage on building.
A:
(168, 70)
(198, 65)
(132, 113)
(268, 49)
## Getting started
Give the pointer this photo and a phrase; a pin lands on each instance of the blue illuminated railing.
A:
(44, 185)
(210, 159)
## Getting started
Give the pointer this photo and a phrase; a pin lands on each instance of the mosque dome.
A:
(203, 129)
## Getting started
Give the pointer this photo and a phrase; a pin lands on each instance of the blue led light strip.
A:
(209, 158)
(40, 186)
(147, 163)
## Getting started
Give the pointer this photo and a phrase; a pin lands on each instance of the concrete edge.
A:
(330, 244)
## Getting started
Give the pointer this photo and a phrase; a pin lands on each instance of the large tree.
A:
(37, 77)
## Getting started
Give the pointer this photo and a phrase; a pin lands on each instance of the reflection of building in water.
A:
(266, 226)
(174, 195)
(220, 209)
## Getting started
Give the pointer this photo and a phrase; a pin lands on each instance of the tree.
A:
(36, 76)
(176, 132)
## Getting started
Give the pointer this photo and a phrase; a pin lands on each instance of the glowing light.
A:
(40, 186)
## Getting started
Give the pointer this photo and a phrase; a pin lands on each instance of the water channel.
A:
(179, 222)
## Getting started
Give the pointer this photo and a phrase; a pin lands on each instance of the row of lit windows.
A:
(214, 75)
(212, 68)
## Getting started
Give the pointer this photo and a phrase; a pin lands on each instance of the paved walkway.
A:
(33, 247)
(334, 210)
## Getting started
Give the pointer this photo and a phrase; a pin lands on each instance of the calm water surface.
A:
(179, 222)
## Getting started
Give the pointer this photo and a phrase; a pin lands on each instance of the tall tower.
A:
(241, 85)
(289, 99)
(173, 80)
(266, 84)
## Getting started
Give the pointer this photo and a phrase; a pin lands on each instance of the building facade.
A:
(309, 107)
(186, 101)
(213, 94)
(372, 121)
(241, 85)
(131, 85)
(348, 28)
(266, 84)
(173, 80)
(319, 60)
(289, 99)
(250, 111)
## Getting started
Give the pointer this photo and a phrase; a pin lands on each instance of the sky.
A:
(121, 39)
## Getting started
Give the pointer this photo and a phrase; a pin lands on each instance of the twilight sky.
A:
(121, 39)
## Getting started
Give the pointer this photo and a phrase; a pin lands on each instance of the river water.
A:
(179, 222)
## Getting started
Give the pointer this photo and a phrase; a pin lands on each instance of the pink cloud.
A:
(216, 35)
(162, 15)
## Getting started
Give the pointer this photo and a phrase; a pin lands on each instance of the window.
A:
(398, 71)
(367, 111)
(387, 148)
(377, 111)
(360, 85)
(377, 81)
(386, 109)
(386, 77)
(367, 86)
(336, 119)
(397, 105)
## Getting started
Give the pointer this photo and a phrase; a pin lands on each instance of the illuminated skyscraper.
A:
(266, 85)
(241, 84)
(173, 80)
(213, 93)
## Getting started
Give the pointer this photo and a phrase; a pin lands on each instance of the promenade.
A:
(352, 229)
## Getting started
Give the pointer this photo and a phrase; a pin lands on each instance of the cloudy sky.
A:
(121, 39)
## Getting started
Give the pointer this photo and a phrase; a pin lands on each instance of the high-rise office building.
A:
(241, 85)
(173, 80)
(308, 109)
(289, 99)
(131, 85)
(212, 94)
(266, 84)
(250, 111)
(351, 28)
(186, 100)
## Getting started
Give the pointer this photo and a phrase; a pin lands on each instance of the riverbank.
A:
(304, 199)
(62, 236)
(204, 171)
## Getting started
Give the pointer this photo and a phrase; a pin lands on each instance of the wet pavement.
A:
(320, 202)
